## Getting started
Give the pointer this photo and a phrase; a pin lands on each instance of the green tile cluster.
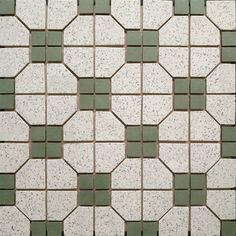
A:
(94, 94)
(46, 46)
(7, 7)
(7, 94)
(228, 228)
(135, 229)
(50, 228)
(46, 141)
(141, 46)
(87, 7)
(7, 189)
(189, 94)
(228, 49)
(141, 141)
(94, 189)
(189, 189)
(189, 7)
(228, 145)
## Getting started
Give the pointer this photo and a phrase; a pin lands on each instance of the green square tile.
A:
(134, 38)
(229, 133)
(86, 102)
(38, 38)
(54, 38)
(229, 38)
(228, 228)
(134, 54)
(150, 38)
(181, 7)
(102, 6)
(54, 54)
(38, 228)
(102, 198)
(181, 86)
(149, 149)
(198, 181)
(85, 6)
(102, 86)
(229, 149)
(181, 197)
(86, 86)
(38, 150)
(37, 133)
(102, 181)
(86, 181)
(198, 86)
(7, 86)
(54, 133)
(149, 133)
(149, 229)
(198, 102)
(197, 197)
(7, 197)
(54, 150)
(38, 54)
(134, 149)
(134, 133)
(54, 229)
(197, 7)
(181, 181)
(181, 102)
(102, 102)
(7, 102)
(228, 54)
(7, 181)
(86, 198)
(149, 54)
(133, 229)
(7, 7)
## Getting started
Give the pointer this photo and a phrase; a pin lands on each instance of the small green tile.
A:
(133, 229)
(102, 181)
(229, 149)
(134, 54)
(38, 54)
(54, 150)
(181, 7)
(37, 133)
(181, 102)
(229, 133)
(7, 86)
(197, 197)
(102, 198)
(198, 102)
(86, 102)
(228, 228)
(229, 38)
(7, 102)
(149, 133)
(85, 181)
(86, 86)
(134, 149)
(198, 181)
(198, 86)
(149, 149)
(7, 181)
(38, 150)
(134, 133)
(85, 6)
(38, 38)
(197, 7)
(54, 38)
(149, 54)
(134, 38)
(7, 197)
(102, 86)
(149, 229)
(54, 54)
(102, 7)
(54, 229)
(181, 181)
(228, 54)
(102, 102)
(54, 133)
(7, 7)
(38, 228)
(86, 198)
(181, 86)
(181, 197)
(150, 38)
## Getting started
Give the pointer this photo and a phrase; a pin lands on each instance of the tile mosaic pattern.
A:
(117, 117)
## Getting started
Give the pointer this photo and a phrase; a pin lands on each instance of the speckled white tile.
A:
(13, 222)
(175, 32)
(60, 204)
(127, 204)
(156, 204)
(79, 156)
(175, 222)
(127, 175)
(32, 204)
(175, 156)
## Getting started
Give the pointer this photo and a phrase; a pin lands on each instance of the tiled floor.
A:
(117, 118)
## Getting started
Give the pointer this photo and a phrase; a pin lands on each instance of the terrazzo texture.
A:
(117, 118)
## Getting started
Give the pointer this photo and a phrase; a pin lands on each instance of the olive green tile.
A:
(198, 181)
(7, 86)
(181, 86)
(7, 7)
(54, 133)
(150, 38)
(54, 150)
(54, 38)
(181, 7)
(149, 54)
(38, 228)
(86, 86)
(102, 198)
(102, 102)
(197, 197)
(7, 102)
(181, 102)
(229, 133)
(228, 54)
(38, 133)
(149, 133)
(54, 54)
(198, 102)
(181, 181)
(54, 229)
(181, 197)
(38, 150)
(134, 149)
(149, 229)
(229, 38)
(38, 54)
(229, 149)
(228, 228)
(197, 7)
(7, 181)
(86, 102)
(102, 7)
(134, 54)
(102, 86)
(102, 181)
(134, 229)
(38, 38)
(85, 181)
(86, 198)
(134, 133)
(198, 86)
(134, 38)
(7, 197)
(85, 6)
(149, 149)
